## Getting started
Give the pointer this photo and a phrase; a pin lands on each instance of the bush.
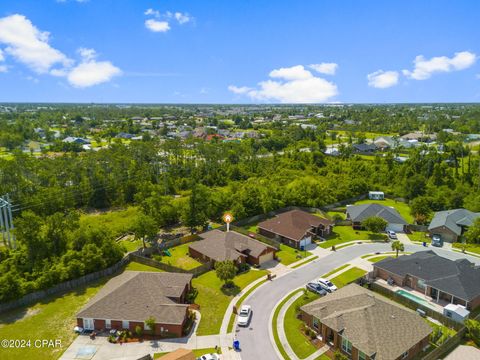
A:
(138, 330)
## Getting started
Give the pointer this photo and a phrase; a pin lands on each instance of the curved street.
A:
(255, 340)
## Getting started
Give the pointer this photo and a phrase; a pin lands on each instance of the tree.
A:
(374, 224)
(472, 235)
(420, 208)
(150, 323)
(226, 271)
(145, 228)
(398, 246)
(195, 213)
(473, 330)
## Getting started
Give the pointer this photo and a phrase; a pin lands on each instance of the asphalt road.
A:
(255, 340)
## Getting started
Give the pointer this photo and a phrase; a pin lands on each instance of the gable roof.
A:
(220, 246)
(137, 295)
(460, 278)
(358, 213)
(453, 219)
(374, 325)
(293, 224)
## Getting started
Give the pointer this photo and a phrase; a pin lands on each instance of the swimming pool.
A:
(415, 298)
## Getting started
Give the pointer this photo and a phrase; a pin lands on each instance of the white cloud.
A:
(29, 45)
(383, 79)
(3, 68)
(182, 18)
(425, 68)
(296, 85)
(91, 72)
(87, 54)
(157, 26)
(325, 68)
(152, 12)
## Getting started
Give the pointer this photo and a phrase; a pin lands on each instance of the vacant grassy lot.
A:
(135, 266)
(288, 255)
(343, 234)
(179, 258)
(419, 236)
(117, 222)
(299, 343)
(401, 207)
(348, 276)
(214, 300)
(52, 318)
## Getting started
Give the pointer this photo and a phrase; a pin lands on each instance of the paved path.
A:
(256, 338)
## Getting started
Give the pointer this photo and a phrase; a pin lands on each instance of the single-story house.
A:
(295, 228)
(129, 299)
(454, 281)
(384, 142)
(220, 246)
(179, 354)
(364, 148)
(451, 224)
(358, 213)
(364, 325)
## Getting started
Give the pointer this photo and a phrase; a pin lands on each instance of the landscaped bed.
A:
(213, 300)
(348, 277)
(53, 318)
(179, 257)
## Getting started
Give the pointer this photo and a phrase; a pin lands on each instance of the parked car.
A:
(437, 240)
(316, 288)
(327, 285)
(244, 315)
(392, 234)
(209, 357)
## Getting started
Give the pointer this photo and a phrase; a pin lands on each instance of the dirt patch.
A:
(15, 316)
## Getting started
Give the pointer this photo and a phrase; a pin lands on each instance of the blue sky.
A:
(239, 51)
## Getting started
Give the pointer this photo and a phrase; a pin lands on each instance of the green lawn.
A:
(292, 326)
(288, 255)
(135, 266)
(214, 301)
(348, 276)
(475, 248)
(419, 236)
(117, 222)
(343, 234)
(379, 258)
(179, 258)
(401, 207)
(333, 214)
(335, 270)
(52, 318)
(197, 352)
(131, 245)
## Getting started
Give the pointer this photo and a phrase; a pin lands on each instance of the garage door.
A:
(395, 227)
(266, 257)
(306, 241)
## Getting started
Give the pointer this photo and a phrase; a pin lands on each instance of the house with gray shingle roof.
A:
(127, 300)
(364, 325)
(359, 213)
(451, 224)
(439, 278)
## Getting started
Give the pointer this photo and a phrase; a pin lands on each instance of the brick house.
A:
(453, 281)
(127, 300)
(220, 246)
(295, 228)
(365, 326)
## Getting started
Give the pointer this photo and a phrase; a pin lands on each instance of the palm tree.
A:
(397, 246)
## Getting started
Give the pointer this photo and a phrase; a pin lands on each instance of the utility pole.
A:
(6, 222)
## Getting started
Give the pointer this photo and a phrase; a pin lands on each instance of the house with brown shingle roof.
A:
(220, 246)
(295, 228)
(364, 325)
(127, 300)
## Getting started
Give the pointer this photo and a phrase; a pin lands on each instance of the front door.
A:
(434, 293)
(88, 324)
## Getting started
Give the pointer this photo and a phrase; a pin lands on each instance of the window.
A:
(361, 355)
(315, 323)
(146, 327)
(108, 324)
(346, 346)
(405, 355)
(125, 324)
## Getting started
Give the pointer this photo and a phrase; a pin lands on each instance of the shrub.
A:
(138, 330)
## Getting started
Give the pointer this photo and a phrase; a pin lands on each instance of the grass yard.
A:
(401, 207)
(348, 276)
(288, 255)
(52, 318)
(214, 301)
(339, 214)
(343, 234)
(197, 352)
(117, 222)
(135, 266)
(299, 343)
(379, 258)
(131, 245)
(474, 248)
(419, 236)
(335, 270)
(179, 258)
